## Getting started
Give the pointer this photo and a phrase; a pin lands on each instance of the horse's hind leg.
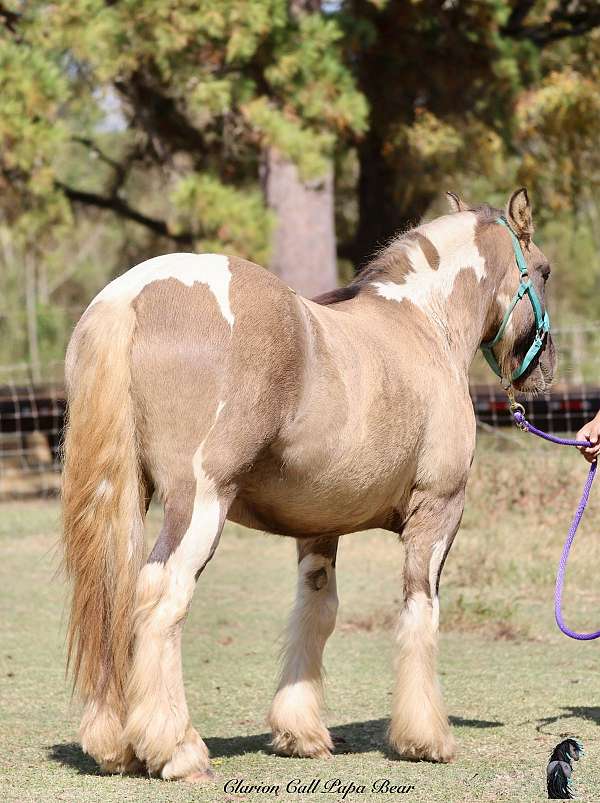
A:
(158, 724)
(419, 727)
(295, 715)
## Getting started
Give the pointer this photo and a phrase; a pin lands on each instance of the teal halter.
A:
(542, 320)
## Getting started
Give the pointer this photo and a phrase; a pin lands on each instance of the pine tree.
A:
(170, 114)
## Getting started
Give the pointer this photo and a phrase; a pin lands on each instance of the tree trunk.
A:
(382, 211)
(32, 327)
(303, 252)
(391, 196)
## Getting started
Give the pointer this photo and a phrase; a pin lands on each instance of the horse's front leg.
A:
(419, 727)
(295, 715)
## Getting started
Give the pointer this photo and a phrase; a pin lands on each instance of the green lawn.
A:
(513, 684)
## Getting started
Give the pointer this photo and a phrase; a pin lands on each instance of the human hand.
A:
(590, 432)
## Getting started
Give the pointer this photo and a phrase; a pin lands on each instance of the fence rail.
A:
(32, 420)
(31, 426)
(32, 413)
(560, 411)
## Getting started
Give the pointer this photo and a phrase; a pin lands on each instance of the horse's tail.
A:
(102, 501)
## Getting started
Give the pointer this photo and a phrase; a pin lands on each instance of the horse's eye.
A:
(545, 271)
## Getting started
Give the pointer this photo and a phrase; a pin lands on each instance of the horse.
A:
(206, 382)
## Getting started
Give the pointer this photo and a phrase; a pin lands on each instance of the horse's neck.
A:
(440, 268)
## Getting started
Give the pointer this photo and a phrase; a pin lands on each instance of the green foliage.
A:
(246, 69)
(165, 110)
(558, 126)
(232, 221)
(308, 149)
(200, 91)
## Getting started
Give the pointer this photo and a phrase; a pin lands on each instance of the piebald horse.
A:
(205, 381)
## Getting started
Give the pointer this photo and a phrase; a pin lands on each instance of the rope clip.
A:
(513, 404)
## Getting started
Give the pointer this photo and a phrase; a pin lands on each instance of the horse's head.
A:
(517, 342)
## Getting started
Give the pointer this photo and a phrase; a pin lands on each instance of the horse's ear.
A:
(518, 214)
(455, 203)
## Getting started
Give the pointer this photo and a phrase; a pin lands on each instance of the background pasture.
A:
(513, 684)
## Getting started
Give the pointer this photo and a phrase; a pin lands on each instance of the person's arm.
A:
(590, 432)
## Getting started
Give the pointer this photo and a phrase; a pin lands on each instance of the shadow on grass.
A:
(70, 754)
(459, 722)
(355, 737)
(591, 713)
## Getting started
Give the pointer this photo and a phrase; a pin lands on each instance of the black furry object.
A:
(560, 769)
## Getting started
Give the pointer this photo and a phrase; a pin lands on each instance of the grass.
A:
(514, 686)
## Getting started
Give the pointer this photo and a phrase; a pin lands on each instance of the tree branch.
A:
(566, 20)
(92, 146)
(120, 169)
(159, 117)
(518, 15)
(119, 207)
(10, 18)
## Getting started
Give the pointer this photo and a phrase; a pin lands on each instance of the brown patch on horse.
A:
(176, 390)
(318, 546)
(178, 515)
(492, 240)
(429, 250)
(263, 370)
(316, 579)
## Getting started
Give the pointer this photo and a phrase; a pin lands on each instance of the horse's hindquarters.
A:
(190, 362)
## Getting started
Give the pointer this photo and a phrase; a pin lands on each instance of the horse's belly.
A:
(295, 503)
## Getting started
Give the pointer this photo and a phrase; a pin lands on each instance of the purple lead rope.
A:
(522, 422)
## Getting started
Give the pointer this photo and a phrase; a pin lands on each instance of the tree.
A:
(209, 97)
(304, 244)
(443, 81)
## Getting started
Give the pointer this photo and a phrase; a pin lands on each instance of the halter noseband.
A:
(542, 320)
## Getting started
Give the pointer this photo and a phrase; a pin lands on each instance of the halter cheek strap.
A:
(542, 320)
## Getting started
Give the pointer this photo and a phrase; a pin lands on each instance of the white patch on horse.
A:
(453, 236)
(296, 708)
(414, 615)
(435, 561)
(435, 612)
(210, 269)
(196, 545)
(197, 542)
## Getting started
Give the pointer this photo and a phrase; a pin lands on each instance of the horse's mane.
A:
(387, 256)
(373, 269)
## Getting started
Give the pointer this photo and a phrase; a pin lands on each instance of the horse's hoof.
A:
(135, 767)
(127, 764)
(441, 751)
(189, 760)
(293, 745)
(206, 776)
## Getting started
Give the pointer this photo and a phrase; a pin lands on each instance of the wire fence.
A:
(31, 424)
(32, 410)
